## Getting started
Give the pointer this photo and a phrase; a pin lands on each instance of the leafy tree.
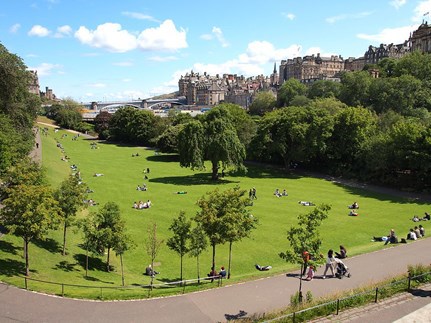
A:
(198, 243)
(324, 89)
(305, 236)
(70, 196)
(180, 228)
(264, 102)
(152, 245)
(355, 88)
(387, 66)
(291, 88)
(214, 139)
(167, 142)
(300, 101)
(29, 212)
(415, 64)
(69, 117)
(110, 227)
(101, 124)
(239, 221)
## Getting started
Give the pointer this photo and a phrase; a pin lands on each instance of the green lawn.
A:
(122, 173)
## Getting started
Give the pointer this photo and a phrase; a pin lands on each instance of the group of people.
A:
(142, 188)
(142, 205)
(252, 193)
(277, 193)
(426, 217)
(416, 233)
(413, 234)
(213, 274)
(333, 263)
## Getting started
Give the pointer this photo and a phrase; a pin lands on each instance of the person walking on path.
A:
(330, 261)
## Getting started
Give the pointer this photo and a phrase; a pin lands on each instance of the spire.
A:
(275, 69)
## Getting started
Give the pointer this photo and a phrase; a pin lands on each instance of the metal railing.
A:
(334, 307)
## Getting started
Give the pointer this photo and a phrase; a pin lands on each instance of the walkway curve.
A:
(216, 305)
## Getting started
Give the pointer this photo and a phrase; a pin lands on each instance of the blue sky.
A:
(103, 50)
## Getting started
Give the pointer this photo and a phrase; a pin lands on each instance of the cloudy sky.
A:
(103, 50)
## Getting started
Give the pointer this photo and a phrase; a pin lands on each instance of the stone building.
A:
(420, 39)
(34, 87)
(206, 90)
(310, 68)
(374, 54)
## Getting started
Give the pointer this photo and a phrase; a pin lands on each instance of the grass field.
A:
(122, 173)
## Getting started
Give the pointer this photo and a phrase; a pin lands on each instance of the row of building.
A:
(231, 88)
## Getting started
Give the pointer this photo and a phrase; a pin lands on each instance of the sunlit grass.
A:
(122, 173)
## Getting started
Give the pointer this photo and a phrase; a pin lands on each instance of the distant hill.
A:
(172, 95)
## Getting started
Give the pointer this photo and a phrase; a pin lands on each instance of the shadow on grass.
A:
(196, 179)
(168, 158)
(10, 267)
(94, 279)
(65, 266)
(8, 247)
(94, 263)
(48, 244)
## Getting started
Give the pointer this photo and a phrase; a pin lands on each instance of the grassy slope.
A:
(122, 173)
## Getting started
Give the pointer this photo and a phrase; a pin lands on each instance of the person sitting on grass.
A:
(342, 254)
(262, 268)
(353, 213)
(415, 218)
(213, 274)
(427, 217)
(422, 230)
(277, 192)
(354, 206)
(222, 272)
(391, 238)
(411, 235)
(150, 272)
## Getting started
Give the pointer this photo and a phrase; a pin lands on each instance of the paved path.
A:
(217, 305)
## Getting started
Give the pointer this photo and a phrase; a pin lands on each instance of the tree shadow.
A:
(94, 279)
(239, 315)
(196, 179)
(94, 263)
(165, 158)
(48, 244)
(65, 266)
(420, 293)
(8, 247)
(10, 267)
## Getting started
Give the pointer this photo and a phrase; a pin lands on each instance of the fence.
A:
(151, 290)
(335, 306)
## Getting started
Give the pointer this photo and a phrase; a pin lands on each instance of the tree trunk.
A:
(152, 276)
(300, 284)
(122, 270)
(107, 260)
(230, 259)
(214, 253)
(197, 265)
(181, 265)
(64, 238)
(27, 266)
(215, 171)
(86, 261)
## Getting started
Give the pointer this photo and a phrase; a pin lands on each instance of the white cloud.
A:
(62, 31)
(39, 31)
(165, 37)
(14, 29)
(390, 35)
(163, 59)
(397, 3)
(359, 15)
(219, 35)
(207, 37)
(45, 69)
(289, 16)
(138, 15)
(422, 10)
(126, 80)
(109, 36)
(124, 64)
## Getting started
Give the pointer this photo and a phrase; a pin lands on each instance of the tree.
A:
(101, 124)
(264, 102)
(70, 196)
(123, 244)
(324, 89)
(305, 237)
(214, 139)
(91, 238)
(416, 64)
(29, 212)
(110, 227)
(167, 142)
(291, 88)
(153, 245)
(355, 88)
(238, 220)
(180, 228)
(198, 243)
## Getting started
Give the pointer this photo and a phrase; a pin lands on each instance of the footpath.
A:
(240, 300)
(224, 303)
